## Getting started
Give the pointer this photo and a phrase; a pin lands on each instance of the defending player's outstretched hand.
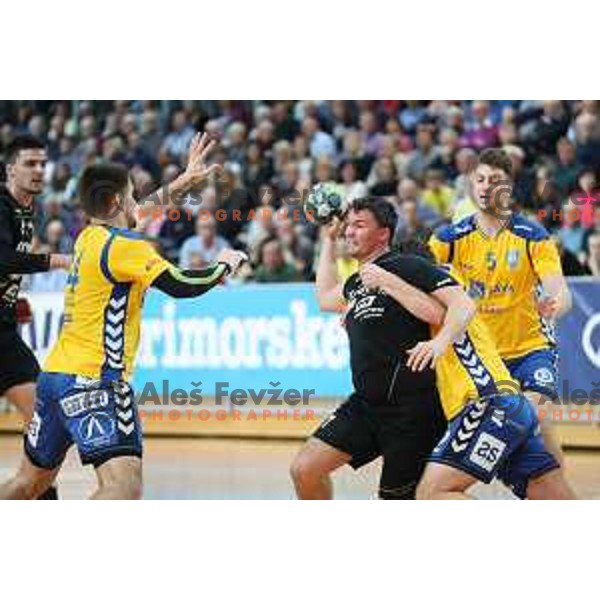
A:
(197, 171)
(232, 258)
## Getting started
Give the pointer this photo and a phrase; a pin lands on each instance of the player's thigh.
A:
(19, 371)
(22, 396)
(351, 433)
(122, 473)
(439, 479)
(317, 458)
(47, 439)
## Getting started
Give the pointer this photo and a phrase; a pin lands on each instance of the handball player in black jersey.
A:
(25, 159)
(393, 412)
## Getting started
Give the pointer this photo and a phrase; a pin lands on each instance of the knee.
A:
(28, 488)
(123, 488)
(302, 470)
(425, 490)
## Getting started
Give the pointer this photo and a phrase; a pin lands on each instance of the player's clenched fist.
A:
(232, 258)
(373, 277)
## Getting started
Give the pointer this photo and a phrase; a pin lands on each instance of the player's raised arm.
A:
(191, 283)
(196, 173)
(329, 288)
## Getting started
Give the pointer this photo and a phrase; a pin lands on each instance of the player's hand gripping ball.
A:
(325, 201)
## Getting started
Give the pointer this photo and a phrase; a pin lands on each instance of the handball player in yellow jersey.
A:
(83, 397)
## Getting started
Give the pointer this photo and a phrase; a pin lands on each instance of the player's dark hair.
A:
(99, 185)
(21, 142)
(496, 158)
(384, 213)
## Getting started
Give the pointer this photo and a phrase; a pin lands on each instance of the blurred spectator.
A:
(418, 151)
(272, 266)
(425, 155)
(481, 133)
(203, 248)
(411, 228)
(592, 261)
(437, 195)
(571, 234)
(566, 169)
(571, 266)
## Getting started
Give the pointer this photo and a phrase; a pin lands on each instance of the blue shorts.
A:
(536, 372)
(99, 417)
(499, 437)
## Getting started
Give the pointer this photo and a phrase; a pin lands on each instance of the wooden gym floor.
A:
(205, 468)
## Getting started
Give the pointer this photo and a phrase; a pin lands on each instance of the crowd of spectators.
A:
(416, 153)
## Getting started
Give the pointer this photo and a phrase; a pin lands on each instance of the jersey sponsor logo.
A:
(512, 258)
(487, 451)
(33, 431)
(84, 402)
(543, 376)
(96, 428)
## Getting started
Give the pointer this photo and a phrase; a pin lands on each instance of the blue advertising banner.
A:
(262, 336)
(579, 340)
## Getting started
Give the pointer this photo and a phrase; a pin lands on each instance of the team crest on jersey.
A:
(512, 258)
(490, 260)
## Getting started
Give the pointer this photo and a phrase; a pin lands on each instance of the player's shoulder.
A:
(454, 231)
(397, 261)
(7, 203)
(527, 229)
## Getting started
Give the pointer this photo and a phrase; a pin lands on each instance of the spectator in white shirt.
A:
(203, 248)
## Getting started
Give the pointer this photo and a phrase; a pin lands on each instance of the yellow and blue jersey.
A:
(502, 274)
(111, 272)
(471, 369)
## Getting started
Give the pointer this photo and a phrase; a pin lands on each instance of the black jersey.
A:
(381, 331)
(16, 260)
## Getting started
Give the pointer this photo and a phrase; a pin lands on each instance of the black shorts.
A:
(17, 362)
(403, 433)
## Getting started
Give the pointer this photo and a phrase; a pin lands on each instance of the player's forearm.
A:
(22, 263)
(161, 198)
(555, 286)
(327, 278)
(460, 311)
(415, 301)
(192, 283)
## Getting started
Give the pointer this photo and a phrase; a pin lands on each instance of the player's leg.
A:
(537, 374)
(29, 482)
(312, 467)
(443, 482)
(408, 431)
(22, 397)
(119, 478)
(346, 437)
(476, 446)
(550, 486)
(532, 471)
(46, 443)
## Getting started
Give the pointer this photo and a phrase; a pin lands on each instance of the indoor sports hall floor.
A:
(201, 468)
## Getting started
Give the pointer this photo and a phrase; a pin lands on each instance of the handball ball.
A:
(325, 201)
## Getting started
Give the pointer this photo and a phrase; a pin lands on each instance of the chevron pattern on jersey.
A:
(115, 317)
(468, 426)
(481, 377)
(124, 407)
